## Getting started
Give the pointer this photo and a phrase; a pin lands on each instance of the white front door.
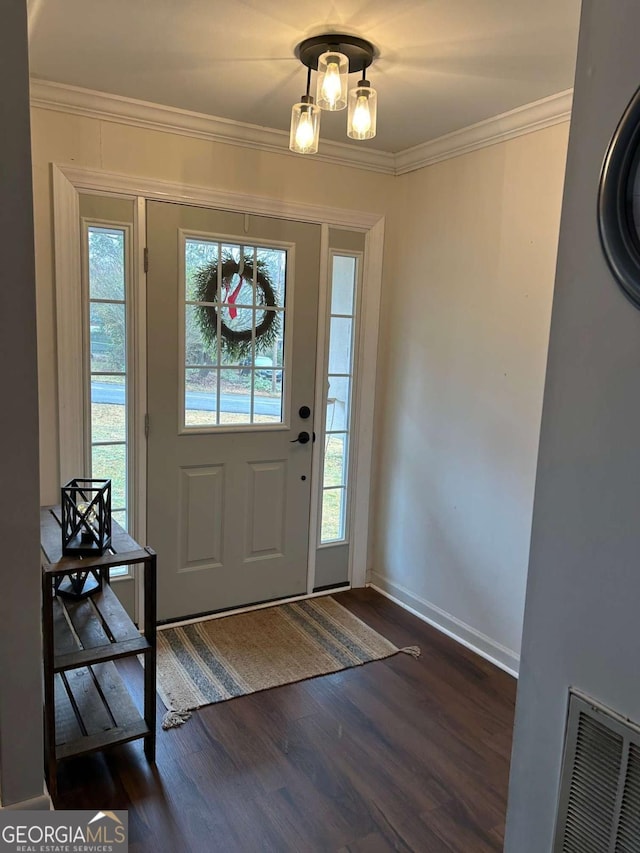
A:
(232, 324)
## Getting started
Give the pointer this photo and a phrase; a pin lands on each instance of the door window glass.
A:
(234, 325)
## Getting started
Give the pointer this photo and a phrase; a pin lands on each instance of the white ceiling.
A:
(442, 65)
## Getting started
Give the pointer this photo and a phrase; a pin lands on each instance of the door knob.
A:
(304, 412)
(303, 438)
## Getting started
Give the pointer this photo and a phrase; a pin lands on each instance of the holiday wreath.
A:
(235, 336)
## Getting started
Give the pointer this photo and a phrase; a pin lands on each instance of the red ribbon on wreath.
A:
(232, 297)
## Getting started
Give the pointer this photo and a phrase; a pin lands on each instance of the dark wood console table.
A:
(87, 707)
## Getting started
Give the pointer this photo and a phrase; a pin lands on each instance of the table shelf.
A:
(94, 629)
(94, 710)
(87, 706)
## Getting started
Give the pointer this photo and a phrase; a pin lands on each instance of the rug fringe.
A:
(173, 719)
(414, 651)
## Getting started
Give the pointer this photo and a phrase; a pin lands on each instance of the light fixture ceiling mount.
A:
(334, 56)
(359, 52)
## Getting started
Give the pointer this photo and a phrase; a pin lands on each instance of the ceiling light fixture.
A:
(334, 56)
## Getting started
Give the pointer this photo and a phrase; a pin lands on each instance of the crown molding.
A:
(537, 115)
(59, 97)
(105, 107)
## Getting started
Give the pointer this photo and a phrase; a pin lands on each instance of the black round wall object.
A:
(619, 202)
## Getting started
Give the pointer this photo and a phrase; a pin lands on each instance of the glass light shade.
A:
(333, 74)
(363, 109)
(305, 126)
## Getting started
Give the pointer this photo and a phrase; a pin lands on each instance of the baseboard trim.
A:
(489, 649)
(36, 804)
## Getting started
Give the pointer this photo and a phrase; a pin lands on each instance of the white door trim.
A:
(318, 408)
(364, 405)
(68, 278)
(68, 181)
(151, 188)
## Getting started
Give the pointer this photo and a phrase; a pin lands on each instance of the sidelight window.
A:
(339, 398)
(106, 289)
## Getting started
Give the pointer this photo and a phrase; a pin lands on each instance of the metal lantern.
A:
(86, 517)
(86, 532)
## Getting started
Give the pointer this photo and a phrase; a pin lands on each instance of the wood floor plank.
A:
(392, 763)
(444, 766)
(397, 755)
(255, 734)
(426, 736)
(456, 826)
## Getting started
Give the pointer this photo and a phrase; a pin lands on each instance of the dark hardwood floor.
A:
(400, 754)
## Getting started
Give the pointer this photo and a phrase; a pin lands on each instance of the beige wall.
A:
(62, 138)
(470, 271)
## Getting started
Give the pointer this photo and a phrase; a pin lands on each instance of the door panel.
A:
(228, 503)
(266, 501)
(201, 502)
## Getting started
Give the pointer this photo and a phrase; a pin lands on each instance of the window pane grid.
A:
(333, 515)
(335, 473)
(276, 309)
(108, 376)
(227, 384)
(108, 443)
(335, 460)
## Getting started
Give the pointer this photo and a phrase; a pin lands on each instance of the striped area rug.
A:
(218, 659)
